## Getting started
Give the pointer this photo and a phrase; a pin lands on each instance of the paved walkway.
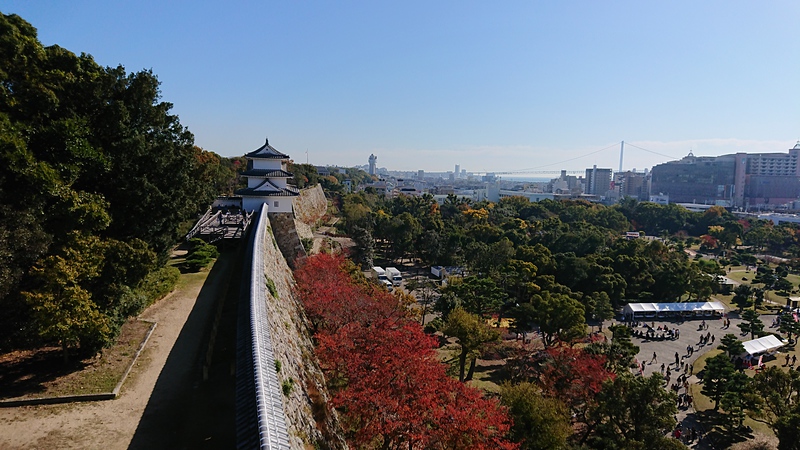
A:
(690, 332)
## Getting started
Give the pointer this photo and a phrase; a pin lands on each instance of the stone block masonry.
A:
(285, 231)
(290, 363)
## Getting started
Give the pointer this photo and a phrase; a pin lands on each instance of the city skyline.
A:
(492, 87)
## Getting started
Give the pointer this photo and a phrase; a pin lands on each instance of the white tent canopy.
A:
(765, 344)
(665, 309)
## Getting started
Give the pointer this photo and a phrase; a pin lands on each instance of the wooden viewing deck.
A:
(218, 225)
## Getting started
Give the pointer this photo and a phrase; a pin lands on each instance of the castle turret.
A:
(267, 180)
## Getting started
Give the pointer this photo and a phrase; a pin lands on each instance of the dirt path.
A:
(321, 235)
(182, 318)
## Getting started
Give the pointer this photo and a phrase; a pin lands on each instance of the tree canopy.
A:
(93, 168)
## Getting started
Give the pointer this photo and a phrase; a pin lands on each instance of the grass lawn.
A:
(489, 374)
(40, 373)
(713, 421)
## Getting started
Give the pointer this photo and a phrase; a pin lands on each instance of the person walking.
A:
(794, 359)
(654, 359)
(677, 359)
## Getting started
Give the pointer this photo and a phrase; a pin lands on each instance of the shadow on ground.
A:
(27, 374)
(719, 435)
(185, 412)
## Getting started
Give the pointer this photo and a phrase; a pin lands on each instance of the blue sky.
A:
(492, 86)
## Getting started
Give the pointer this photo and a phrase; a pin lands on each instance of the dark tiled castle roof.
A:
(266, 151)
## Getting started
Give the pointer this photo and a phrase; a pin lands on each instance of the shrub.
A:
(434, 325)
(271, 286)
(287, 386)
(200, 255)
(159, 283)
(308, 244)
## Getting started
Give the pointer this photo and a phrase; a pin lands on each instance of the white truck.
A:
(380, 275)
(394, 276)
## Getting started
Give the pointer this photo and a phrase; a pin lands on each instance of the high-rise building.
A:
(631, 184)
(598, 181)
(373, 161)
(695, 179)
(458, 171)
(746, 180)
(767, 178)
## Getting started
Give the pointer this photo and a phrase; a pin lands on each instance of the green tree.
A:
(718, 373)
(63, 309)
(404, 231)
(633, 412)
(559, 317)
(787, 428)
(477, 295)
(789, 326)
(778, 393)
(86, 151)
(621, 351)
(472, 333)
(540, 423)
(751, 324)
(742, 297)
(523, 319)
(735, 401)
(598, 306)
(732, 346)
(520, 280)
(364, 250)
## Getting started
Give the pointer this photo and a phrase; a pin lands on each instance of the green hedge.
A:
(200, 255)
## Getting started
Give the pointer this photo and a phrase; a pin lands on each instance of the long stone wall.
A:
(309, 209)
(309, 421)
(287, 237)
(311, 205)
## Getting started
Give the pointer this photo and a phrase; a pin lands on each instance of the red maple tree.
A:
(574, 377)
(331, 299)
(388, 385)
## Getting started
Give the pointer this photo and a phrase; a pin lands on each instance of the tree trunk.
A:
(462, 361)
(65, 351)
(471, 370)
